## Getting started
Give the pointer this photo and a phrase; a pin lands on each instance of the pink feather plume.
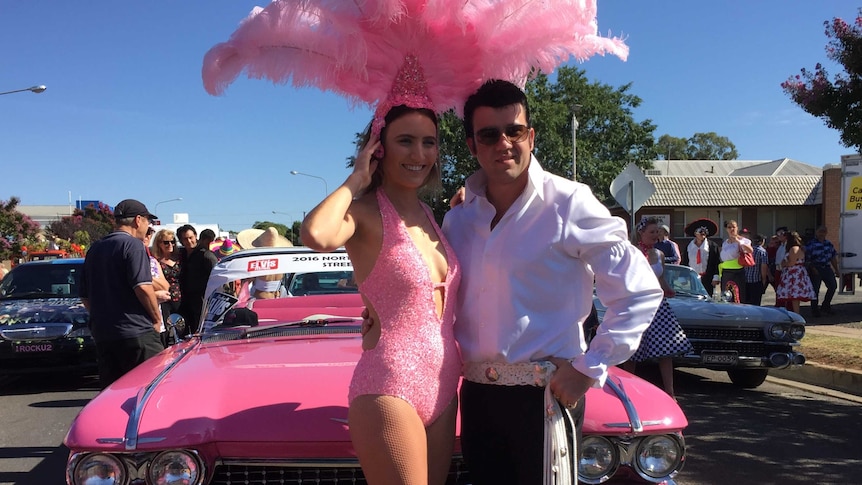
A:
(356, 47)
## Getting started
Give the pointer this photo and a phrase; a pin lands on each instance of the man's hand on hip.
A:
(567, 384)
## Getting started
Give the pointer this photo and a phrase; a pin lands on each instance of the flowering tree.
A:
(84, 226)
(838, 102)
(16, 230)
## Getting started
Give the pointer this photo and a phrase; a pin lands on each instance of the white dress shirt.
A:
(526, 285)
(693, 249)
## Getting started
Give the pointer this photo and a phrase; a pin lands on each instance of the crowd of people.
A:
(135, 278)
(795, 270)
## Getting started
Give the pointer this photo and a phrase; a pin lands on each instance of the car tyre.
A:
(747, 378)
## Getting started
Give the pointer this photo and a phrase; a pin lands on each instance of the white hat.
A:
(260, 238)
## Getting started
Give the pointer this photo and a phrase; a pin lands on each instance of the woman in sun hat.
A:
(270, 286)
(262, 238)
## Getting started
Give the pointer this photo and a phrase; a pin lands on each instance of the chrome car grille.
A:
(706, 333)
(743, 348)
(35, 331)
(329, 473)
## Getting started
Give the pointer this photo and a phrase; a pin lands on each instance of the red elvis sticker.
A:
(262, 264)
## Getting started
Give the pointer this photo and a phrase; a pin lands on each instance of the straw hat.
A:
(260, 238)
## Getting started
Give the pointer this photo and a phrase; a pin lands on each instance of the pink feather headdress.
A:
(422, 53)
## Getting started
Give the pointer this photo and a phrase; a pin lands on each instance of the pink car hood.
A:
(283, 396)
(268, 390)
(285, 390)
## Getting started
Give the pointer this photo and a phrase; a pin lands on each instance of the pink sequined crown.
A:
(409, 89)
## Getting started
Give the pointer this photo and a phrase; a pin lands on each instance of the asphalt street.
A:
(845, 322)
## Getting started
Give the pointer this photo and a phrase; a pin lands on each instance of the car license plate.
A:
(720, 358)
(29, 348)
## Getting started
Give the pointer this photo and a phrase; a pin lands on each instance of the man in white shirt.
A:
(530, 245)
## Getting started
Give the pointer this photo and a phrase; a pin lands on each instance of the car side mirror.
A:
(176, 326)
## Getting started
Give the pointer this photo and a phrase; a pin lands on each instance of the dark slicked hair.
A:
(207, 236)
(495, 93)
(185, 228)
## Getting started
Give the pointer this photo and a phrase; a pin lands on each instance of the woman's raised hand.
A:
(363, 165)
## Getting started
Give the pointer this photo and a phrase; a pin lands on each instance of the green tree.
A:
(294, 234)
(608, 137)
(281, 229)
(838, 103)
(701, 146)
(97, 222)
(710, 146)
(16, 229)
(672, 148)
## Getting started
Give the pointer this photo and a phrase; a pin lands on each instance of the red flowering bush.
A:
(838, 102)
(84, 226)
(16, 229)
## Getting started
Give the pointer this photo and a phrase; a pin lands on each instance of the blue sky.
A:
(125, 113)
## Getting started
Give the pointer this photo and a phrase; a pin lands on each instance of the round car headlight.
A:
(658, 456)
(797, 331)
(178, 466)
(777, 332)
(99, 466)
(599, 459)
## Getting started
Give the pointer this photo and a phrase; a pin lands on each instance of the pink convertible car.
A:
(260, 396)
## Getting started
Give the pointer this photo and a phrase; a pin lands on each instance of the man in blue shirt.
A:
(667, 246)
(822, 262)
(757, 276)
(117, 290)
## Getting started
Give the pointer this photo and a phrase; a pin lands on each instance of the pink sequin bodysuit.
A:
(416, 358)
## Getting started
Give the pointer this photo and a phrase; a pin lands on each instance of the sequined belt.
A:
(502, 374)
(557, 463)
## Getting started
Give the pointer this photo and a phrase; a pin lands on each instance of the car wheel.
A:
(747, 379)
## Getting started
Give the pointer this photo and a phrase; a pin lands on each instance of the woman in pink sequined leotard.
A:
(403, 401)
(416, 358)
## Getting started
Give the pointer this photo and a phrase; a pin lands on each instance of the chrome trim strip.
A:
(656, 422)
(134, 423)
(627, 403)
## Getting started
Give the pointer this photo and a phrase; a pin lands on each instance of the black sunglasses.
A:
(513, 133)
(168, 243)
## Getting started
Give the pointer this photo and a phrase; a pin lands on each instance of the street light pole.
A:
(35, 89)
(289, 228)
(575, 109)
(325, 186)
(156, 210)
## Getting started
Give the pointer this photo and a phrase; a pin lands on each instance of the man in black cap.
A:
(117, 290)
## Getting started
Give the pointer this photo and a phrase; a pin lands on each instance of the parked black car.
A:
(743, 340)
(43, 324)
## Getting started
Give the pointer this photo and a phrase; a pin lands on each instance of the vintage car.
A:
(743, 340)
(43, 324)
(260, 396)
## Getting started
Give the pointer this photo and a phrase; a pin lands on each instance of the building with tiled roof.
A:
(760, 195)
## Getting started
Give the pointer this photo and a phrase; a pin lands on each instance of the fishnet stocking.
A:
(389, 440)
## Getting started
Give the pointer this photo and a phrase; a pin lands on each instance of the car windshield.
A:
(41, 281)
(322, 283)
(684, 281)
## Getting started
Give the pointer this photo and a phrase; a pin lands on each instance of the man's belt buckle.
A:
(491, 374)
